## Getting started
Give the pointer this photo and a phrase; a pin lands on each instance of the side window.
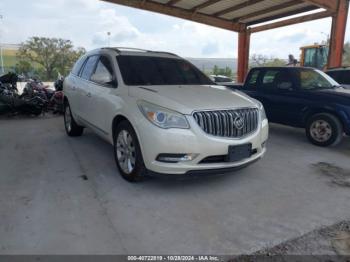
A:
(104, 72)
(311, 79)
(283, 81)
(253, 79)
(277, 79)
(269, 79)
(77, 66)
(89, 67)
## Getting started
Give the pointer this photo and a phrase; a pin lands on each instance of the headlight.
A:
(262, 111)
(163, 117)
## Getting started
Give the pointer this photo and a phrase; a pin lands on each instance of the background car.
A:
(302, 97)
(341, 75)
(222, 80)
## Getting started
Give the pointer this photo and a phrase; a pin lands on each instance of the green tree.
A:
(222, 71)
(346, 54)
(261, 60)
(52, 55)
(23, 67)
(216, 70)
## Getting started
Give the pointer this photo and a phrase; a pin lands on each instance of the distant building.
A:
(9, 56)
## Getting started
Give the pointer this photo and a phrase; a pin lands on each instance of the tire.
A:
(72, 128)
(324, 129)
(127, 153)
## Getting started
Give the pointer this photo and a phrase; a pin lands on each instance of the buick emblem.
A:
(238, 122)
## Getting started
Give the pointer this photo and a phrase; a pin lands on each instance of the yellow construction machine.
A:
(314, 56)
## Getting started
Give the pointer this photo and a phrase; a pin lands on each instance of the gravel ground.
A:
(331, 240)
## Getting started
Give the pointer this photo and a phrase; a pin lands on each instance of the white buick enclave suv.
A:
(161, 114)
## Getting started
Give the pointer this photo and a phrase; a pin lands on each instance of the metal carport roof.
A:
(243, 16)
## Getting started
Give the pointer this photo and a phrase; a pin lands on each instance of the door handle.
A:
(88, 94)
(74, 87)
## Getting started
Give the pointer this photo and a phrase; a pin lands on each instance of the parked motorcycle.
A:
(12, 103)
(54, 98)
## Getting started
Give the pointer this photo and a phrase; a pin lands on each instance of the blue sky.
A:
(86, 23)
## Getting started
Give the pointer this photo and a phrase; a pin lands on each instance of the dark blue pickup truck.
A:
(302, 97)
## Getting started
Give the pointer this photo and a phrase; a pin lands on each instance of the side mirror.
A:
(104, 79)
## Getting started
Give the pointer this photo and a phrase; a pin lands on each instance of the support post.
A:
(243, 54)
(336, 46)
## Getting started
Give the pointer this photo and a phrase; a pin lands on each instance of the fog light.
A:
(175, 158)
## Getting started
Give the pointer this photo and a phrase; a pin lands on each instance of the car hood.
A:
(342, 92)
(188, 98)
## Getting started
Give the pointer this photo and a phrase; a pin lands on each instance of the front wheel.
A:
(127, 153)
(324, 130)
(72, 128)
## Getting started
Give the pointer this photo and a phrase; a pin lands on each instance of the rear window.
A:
(145, 70)
(253, 79)
(269, 77)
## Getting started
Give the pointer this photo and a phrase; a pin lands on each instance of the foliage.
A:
(52, 55)
(23, 67)
(261, 60)
(222, 71)
(346, 54)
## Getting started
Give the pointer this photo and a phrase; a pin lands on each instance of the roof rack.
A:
(120, 49)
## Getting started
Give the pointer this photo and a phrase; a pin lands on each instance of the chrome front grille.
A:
(228, 123)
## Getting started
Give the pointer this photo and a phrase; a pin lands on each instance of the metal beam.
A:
(180, 13)
(292, 21)
(338, 35)
(330, 5)
(237, 7)
(173, 2)
(204, 5)
(243, 54)
(282, 15)
(269, 10)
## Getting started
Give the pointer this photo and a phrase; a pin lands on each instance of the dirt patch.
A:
(329, 241)
(341, 243)
(84, 177)
(338, 175)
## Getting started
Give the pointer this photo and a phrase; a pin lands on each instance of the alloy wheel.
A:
(321, 130)
(68, 119)
(126, 152)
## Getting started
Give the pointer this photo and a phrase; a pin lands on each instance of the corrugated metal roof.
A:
(221, 5)
(189, 4)
(227, 14)
(280, 11)
(253, 8)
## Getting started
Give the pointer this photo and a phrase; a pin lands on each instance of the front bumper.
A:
(155, 141)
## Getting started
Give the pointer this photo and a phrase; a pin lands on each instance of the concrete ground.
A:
(47, 207)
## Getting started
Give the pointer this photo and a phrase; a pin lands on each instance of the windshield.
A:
(311, 79)
(147, 70)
